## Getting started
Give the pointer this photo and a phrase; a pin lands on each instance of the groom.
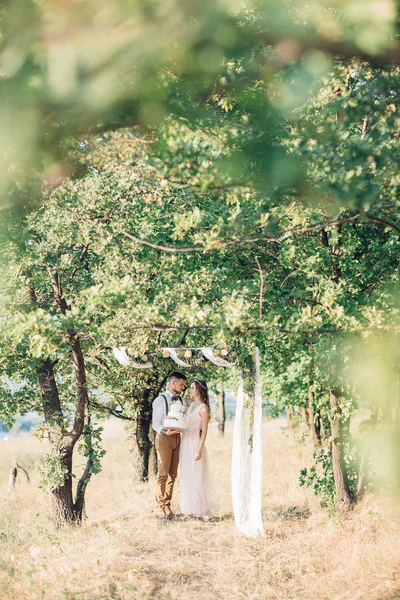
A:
(167, 445)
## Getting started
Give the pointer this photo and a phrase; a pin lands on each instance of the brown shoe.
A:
(168, 512)
(160, 512)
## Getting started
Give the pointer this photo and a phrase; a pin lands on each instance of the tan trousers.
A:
(167, 447)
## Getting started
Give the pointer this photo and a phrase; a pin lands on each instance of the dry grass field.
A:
(123, 552)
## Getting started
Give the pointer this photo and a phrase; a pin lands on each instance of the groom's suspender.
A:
(166, 404)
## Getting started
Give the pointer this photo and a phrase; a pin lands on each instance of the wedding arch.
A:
(246, 468)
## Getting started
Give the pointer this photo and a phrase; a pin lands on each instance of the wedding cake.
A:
(176, 418)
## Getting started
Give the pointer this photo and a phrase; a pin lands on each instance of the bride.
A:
(195, 485)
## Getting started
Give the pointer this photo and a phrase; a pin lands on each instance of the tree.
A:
(212, 231)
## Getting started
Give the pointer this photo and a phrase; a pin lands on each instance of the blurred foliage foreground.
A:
(188, 174)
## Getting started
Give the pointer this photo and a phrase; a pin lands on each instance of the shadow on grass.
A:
(214, 519)
(291, 513)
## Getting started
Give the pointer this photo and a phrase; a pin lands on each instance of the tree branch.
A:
(220, 245)
(261, 285)
(261, 328)
(82, 256)
(112, 411)
(383, 222)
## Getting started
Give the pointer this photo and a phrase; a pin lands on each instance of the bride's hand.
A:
(197, 456)
(172, 431)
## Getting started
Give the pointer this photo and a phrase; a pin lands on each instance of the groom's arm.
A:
(158, 414)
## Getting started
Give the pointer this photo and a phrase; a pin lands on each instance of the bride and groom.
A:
(187, 448)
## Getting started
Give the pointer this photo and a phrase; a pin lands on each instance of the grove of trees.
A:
(187, 174)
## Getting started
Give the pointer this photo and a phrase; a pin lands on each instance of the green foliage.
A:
(319, 477)
(250, 66)
(91, 447)
(53, 470)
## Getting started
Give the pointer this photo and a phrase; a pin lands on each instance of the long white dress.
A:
(196, 497)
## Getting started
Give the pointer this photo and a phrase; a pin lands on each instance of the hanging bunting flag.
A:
(220, 362)
(125, 360)
(172, 353)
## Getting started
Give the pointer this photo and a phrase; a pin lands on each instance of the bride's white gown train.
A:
(196, 497)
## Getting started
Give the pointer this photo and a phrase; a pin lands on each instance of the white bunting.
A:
(125, 360)
(219, 362)
(172, 353)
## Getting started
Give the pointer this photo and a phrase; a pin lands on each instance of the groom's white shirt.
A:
(159, 412)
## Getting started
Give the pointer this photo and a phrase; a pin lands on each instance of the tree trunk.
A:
(62, 499)
(79, 504)
(153, 466)
(141, 442)
(289, 414)
(13, 477)
(304, 415)
(313, 418)
(14, 473)
(325, 432)
(63, 506)
(344, 500)
(50, 399)
(65, 510)
(319, 427)
(314, 426)
(221, 408)
(82, 397)
(63, 502)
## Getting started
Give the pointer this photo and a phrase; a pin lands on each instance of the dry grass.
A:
(123, 552)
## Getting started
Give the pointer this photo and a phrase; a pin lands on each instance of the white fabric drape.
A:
(173, 354)
(125, 360)
(247, 461)
(220, 362)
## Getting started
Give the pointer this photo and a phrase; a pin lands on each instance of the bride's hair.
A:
(201, 387)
